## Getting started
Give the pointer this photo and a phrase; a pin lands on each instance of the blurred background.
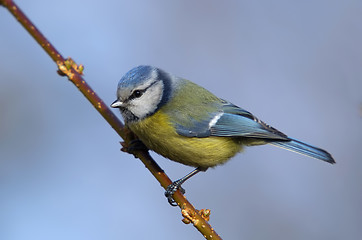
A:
(294, 64)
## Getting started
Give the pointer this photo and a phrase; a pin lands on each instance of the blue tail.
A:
(305, 149)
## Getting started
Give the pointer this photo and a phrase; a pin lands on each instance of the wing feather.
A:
(237, 122)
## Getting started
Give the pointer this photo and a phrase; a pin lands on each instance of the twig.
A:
(73, 72)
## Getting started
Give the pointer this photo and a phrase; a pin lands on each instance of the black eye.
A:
(136, 94)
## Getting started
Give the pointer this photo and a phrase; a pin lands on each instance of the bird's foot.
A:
(133, 145)
(171, 189)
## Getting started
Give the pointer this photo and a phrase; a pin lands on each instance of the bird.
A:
(186, 123)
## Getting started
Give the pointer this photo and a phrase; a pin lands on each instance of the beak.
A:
(117, 104)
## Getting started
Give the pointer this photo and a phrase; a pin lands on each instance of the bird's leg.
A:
(173, 187)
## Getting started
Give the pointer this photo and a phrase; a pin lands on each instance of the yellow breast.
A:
(158, 134)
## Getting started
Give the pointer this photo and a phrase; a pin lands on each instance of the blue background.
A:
(294, 64)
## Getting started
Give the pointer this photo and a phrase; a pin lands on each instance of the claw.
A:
(133, 146)
(176, 185)
(171, 189)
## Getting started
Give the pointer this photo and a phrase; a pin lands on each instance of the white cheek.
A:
(147, 103)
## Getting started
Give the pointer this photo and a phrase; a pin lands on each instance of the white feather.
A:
(215, 119)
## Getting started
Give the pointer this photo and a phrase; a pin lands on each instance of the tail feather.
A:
(305, 149)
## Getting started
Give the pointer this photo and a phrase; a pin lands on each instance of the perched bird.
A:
(186, 123)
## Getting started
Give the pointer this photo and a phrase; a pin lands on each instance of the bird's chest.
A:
(159, 135)
(154, 130)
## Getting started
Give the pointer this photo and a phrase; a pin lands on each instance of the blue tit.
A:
(186, 123)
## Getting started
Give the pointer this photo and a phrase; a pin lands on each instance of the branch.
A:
(73, 72)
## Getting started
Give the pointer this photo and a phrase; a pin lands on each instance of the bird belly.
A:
(159, 135)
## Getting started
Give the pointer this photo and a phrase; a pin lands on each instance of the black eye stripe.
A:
(139, 92)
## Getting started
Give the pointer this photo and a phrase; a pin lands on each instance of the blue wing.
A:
(237, 122)
(232, 121)
(228, 121)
